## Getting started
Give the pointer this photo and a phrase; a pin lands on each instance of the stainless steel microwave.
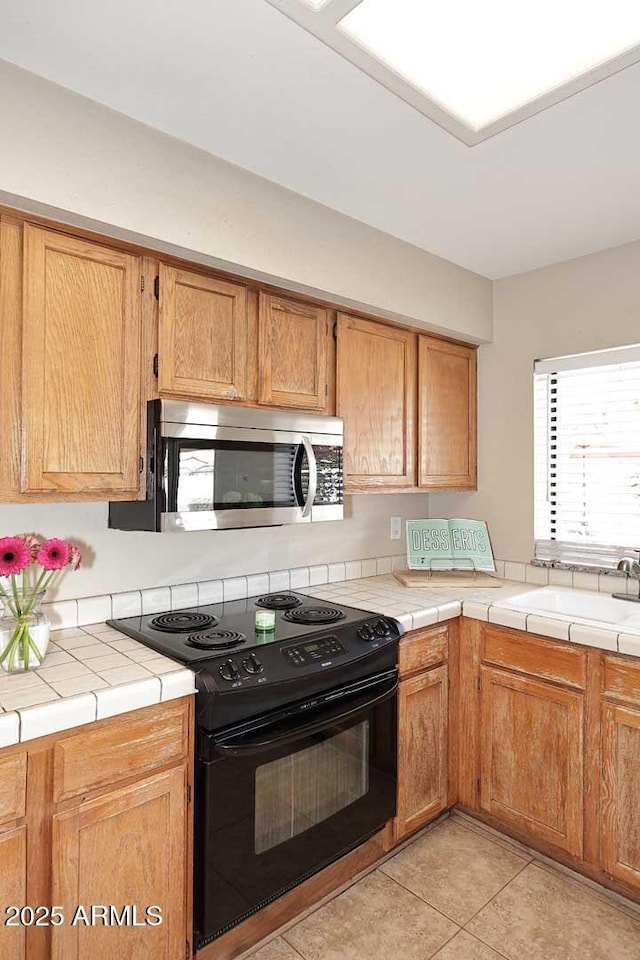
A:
(218, 467)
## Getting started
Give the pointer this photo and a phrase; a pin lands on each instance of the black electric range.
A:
(295, 745)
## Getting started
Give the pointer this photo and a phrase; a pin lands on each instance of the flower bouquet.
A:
(28, 567)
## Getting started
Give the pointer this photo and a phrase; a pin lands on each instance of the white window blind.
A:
(587, 457)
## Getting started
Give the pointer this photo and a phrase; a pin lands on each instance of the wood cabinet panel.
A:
(127, 848)
(128, 746)
(80, 366)
(13, 890)
(422, 749)
(375, 394)
(536, 657)
(422, 649)
(532, 757)
(447, 441)
(13, 787)
(202, 339)
(292, 354)
(621, 792)
(621, 679)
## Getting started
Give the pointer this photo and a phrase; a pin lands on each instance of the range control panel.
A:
(311, 650)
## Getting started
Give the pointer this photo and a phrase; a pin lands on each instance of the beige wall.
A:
(116, 560)
(93, 164)
(585, 304)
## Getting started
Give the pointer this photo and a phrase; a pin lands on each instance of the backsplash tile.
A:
(318, 574)
(537, 575)
(514, 570)
(184, 595)
(369, 568)
(299, 578)
(560, 578)
(353, 569)
(126, 604)
(156, 600)
(257, 584)
(235, 588)
(336, 572)
(62, 613)
(209, 591)
(278, 580)
(94, 609)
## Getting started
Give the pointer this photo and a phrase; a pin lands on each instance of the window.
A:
(587, 457)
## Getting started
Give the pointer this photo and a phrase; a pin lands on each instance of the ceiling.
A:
(242, 81)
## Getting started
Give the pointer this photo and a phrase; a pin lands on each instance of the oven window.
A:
(219, 475)
(298, 791)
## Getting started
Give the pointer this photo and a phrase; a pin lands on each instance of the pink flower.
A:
(75, 557)
(54, 554)
(15, 555)
(32, 543)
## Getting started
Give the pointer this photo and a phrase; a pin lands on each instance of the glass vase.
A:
(24, 632)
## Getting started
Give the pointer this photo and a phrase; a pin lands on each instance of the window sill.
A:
(577, 567)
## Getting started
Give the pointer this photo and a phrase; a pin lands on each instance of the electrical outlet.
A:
(396, 528)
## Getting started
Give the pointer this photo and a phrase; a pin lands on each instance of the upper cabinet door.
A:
(202, 340)
(447, 415)
(292, 354)
(80, 366)
(375, 393)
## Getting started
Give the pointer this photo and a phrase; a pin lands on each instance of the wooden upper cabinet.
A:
(80, 366)
(447, 444)
(621, 793)
(202, 338)
(532, 757)
(422, 749)
(126, 848)
(292, 354)
(375, 393)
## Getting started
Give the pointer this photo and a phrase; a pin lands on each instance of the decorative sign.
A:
(449, 545)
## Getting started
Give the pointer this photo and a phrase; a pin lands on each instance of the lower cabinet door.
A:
(532, 757)
(13, 874)
(115, 858)
(621, 793)
(422, 749)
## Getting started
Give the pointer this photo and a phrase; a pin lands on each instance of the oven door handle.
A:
(244, 745)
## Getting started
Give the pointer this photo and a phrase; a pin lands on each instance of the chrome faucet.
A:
(631, 567)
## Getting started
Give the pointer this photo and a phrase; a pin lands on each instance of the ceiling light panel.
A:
(477, 68)
(481, 61)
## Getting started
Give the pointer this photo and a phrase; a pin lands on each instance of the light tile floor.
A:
(460, 892)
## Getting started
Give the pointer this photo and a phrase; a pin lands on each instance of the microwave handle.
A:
(313, 476)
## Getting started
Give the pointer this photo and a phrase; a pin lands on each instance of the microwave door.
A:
(217, 484)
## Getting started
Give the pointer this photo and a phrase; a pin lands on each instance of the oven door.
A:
(281, 797)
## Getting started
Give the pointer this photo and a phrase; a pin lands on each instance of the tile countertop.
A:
(417, 607)
(95, 672)
(89, 673)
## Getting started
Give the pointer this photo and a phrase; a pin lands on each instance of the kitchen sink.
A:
(571, 604)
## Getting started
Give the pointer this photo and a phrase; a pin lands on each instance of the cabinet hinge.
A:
(188, 793)
(156, 288)
(141, 465)
(187, 950)
(478, 683)
(141, 284)
(155, 365)
(478, 785)
(335, 330)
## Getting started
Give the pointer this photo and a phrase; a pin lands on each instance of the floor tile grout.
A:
(421, 899)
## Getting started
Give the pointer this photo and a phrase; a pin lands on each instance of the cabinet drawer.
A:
(122, 748)
(13, 787)
(421, 649)
(621, 679)
(534, 656)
